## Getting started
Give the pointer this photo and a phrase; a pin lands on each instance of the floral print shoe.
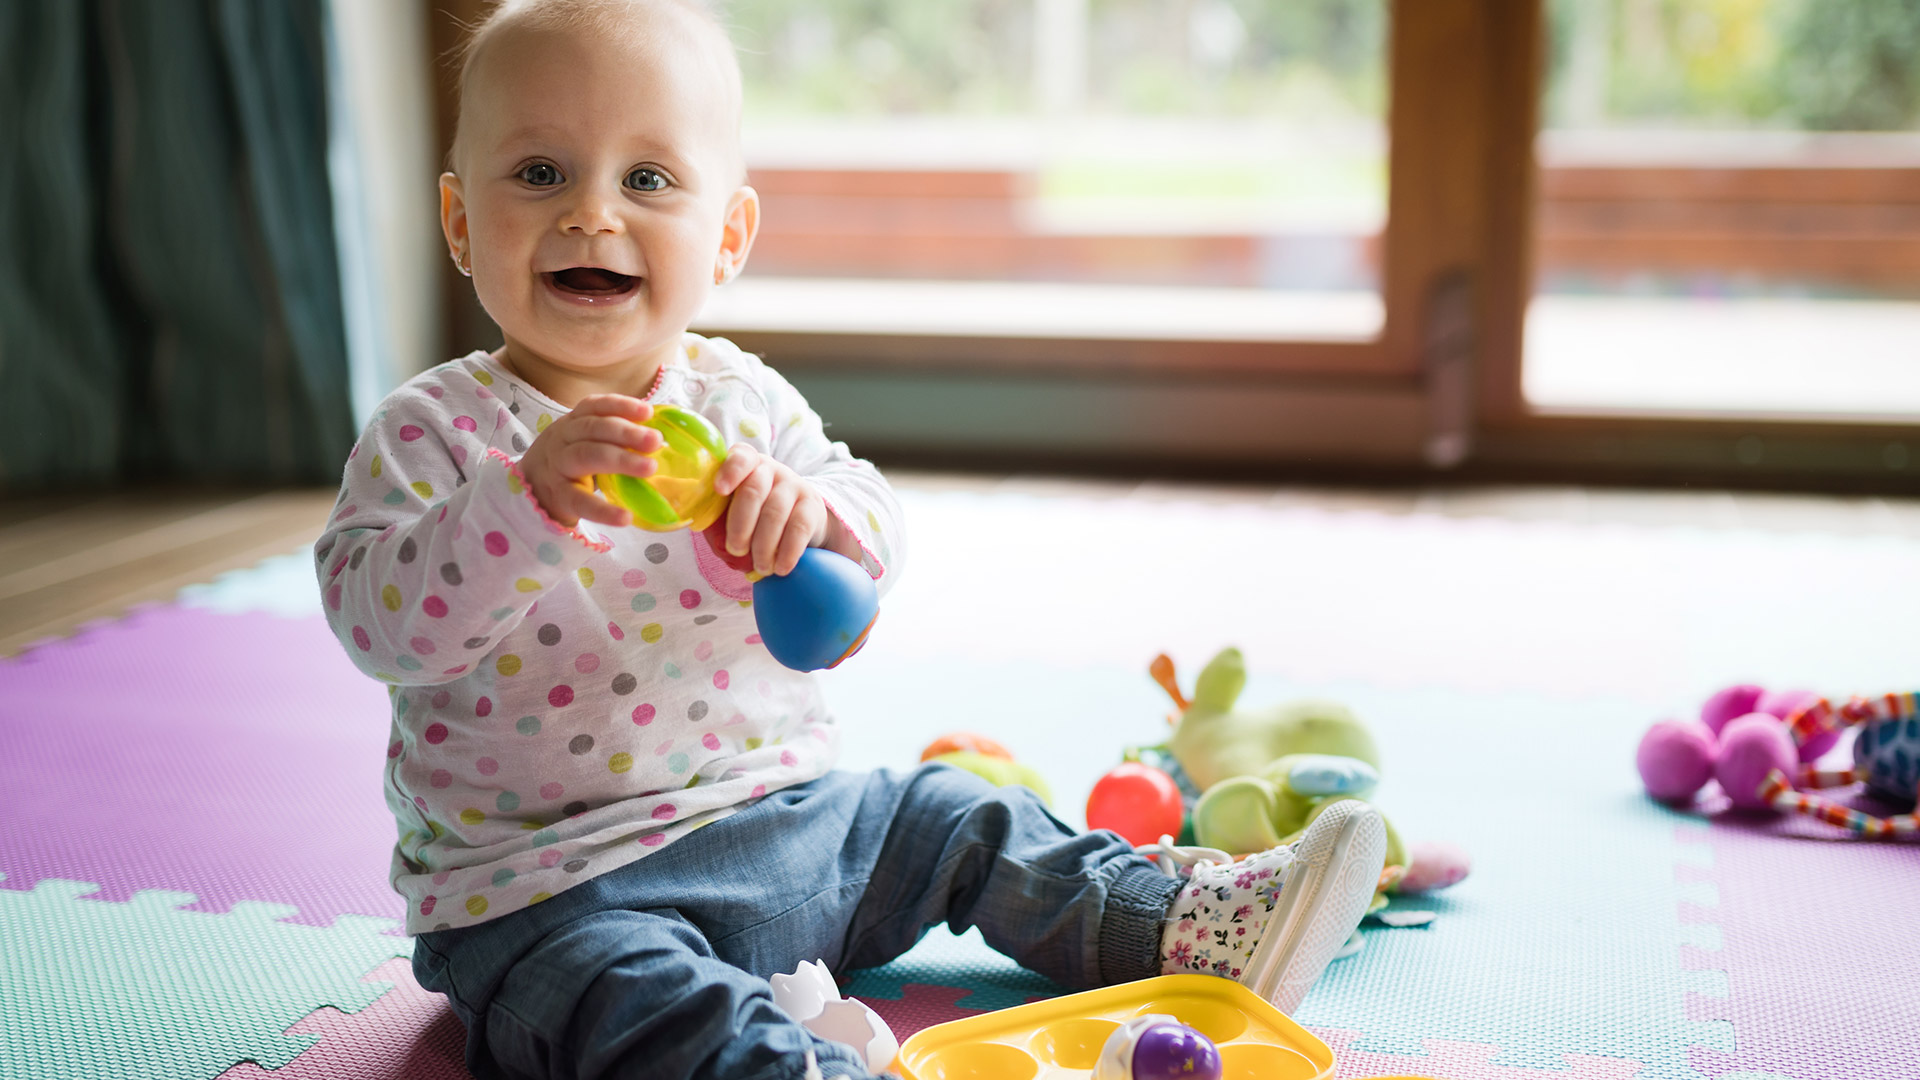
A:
(1275, 919)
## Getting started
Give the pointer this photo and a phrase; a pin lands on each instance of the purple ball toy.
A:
(1750, 748)
(1175, 1052)
(1676, 759)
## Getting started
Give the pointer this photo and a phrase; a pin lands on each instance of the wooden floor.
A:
(65, 561)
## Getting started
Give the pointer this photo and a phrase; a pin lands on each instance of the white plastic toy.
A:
(810, 996)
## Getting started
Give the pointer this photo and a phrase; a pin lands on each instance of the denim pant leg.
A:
(619, 977)
(633, 995)
(1080, 908)
(658, 968)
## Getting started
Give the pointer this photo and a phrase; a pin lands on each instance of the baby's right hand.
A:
(601, 435)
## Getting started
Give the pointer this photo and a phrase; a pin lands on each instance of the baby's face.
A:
(598, 192)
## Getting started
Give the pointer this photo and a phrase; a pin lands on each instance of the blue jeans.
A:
(658, 969)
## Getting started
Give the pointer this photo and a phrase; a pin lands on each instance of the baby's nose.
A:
(591, 212)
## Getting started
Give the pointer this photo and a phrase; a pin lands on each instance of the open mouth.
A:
(592, 282)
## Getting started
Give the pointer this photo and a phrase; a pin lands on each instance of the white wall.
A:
(386, 84)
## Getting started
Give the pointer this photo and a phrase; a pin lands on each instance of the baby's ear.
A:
(737, 230)
(453, 214)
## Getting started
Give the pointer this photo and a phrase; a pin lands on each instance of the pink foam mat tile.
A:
(409, 1034)
(1811, 938)
(920, 1006)
(184, 749)
(1462, 1061)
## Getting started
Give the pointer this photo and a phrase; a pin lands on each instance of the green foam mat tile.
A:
(965, 961)
(1567, 938)
(143, 990)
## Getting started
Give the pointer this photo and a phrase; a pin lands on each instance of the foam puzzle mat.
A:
(140, 987)
(156, 923)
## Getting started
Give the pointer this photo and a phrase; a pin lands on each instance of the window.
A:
(1729, 216)
(1209, 170)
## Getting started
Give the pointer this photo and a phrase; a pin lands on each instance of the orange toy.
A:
(965, 740)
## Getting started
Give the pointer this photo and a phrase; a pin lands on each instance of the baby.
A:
(617, 814)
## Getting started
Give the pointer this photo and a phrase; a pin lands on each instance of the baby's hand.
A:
(601, 435)
(774, 514)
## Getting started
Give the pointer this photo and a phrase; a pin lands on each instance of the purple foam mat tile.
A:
(233, 756)
(1819, 938)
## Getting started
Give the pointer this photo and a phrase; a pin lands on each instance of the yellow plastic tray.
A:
(1060, 1039)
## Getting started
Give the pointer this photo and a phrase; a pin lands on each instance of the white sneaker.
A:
(1273, 920)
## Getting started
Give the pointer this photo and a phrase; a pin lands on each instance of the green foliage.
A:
(1821, 64)
(1302, 59)
(1855, 64)
(1294, 58)
(1815, 64)
(883, 56)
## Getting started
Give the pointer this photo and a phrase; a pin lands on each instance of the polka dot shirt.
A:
(566, 701)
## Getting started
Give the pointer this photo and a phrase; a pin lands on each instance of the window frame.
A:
(1429, 227)
(1440, 387)
(1512, 437)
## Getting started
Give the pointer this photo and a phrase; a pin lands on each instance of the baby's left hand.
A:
(775, 515)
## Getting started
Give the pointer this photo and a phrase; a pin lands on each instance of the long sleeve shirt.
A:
(567, 700)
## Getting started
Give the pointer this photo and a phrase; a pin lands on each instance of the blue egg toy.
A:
(819, 614)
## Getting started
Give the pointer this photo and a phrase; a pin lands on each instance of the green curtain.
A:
(169, 289)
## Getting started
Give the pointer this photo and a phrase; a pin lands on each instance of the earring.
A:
(460, 260)
(722, 273)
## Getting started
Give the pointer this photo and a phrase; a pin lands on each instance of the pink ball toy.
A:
(1729, 703)
(1782, 703)
(1751, 747)
(1433, 865)
(1759, 766)
(1676, 759)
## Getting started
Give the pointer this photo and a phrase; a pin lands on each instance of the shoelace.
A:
(1173, 858)
(813, 1069)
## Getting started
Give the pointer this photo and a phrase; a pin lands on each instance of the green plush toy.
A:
(997, 770)
(1265, 773)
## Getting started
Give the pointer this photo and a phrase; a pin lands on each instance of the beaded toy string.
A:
(1817, 718)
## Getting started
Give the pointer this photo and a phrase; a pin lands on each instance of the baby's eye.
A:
(645, 179)
(540, 174)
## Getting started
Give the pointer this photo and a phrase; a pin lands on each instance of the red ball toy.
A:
(1139, 802)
